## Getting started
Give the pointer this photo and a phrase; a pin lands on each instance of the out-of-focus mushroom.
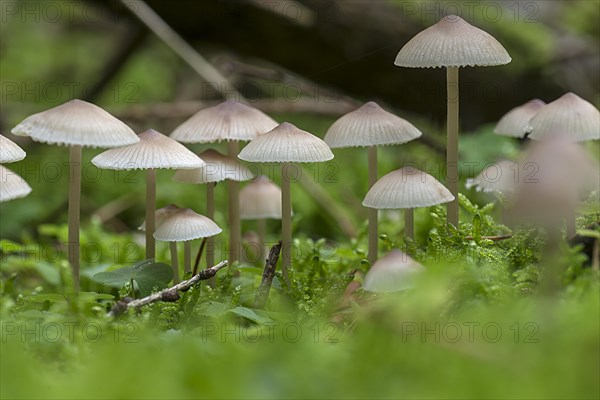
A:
(515, 122)
(393, 272)
(12, 186)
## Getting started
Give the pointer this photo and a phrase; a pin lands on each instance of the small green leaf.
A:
(249, 314)
(147, 274)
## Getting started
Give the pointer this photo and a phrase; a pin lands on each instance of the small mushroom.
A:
(12, 186)
(393, 272)
(500, 177)
(515, 122)
(10, 151)
(407, 188)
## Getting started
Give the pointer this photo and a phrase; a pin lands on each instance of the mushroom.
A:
(9, 151)
(569, 116)
(153, 151)
(407, 188)
(370, 126)
(12, 186)
(393, 272)
(182, 226)
(260, 200)
(514, 123)
(500, 177)
(233, 122)
(218, 167)
(452, 43)
(286, 144)
(76, 124)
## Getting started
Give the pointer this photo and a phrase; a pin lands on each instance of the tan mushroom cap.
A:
(499, 177)
(391, 273)
(12, 186)
(260, 199)
(161, 215)
(406, 187)
(286, 143)
(154, 150)
(569, 116)
(10, 151)
(229, 121)
(452, 42)
(217, 168)
(186, 225)
(370, 125)
(515, 122)
(76, 122)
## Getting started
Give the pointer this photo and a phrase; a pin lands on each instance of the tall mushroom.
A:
(153, 151)
(76, 124)
(407, 188)
(370, 126)
(514, 123)
(232, 122)
(286, 144)
(452, 43)
(217, 168)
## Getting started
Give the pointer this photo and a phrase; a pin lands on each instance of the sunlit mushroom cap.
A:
(406, 187)
(161, 215)
(500, 177)
(569, 116)
(154, 150)
(217, 167)
(260, 199)
(452, 42)
(229, 121)
(10, 151)
(76, 122)
(286, 143)
(391, 273)
(370, 125)
(186, 225)
(515, 122)
(12, 186)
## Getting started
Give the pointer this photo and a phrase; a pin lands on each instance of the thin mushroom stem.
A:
(174, 261)
(571, 225)
(210, 213)
(409, 223)
(261, 228)
(150, 213)
(198, 257)
(233, 188)
(286, 220)
(372, 212)
(74, 213)
(452, 144)
(187, 256)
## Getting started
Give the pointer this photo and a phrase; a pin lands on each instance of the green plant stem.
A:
(235, 231)
(286, 220)
(210, 213)
(452, 144)
(187, 256)
(372, 212)
(150, 213)
(174, 261)
(409, 223)
(74, 213)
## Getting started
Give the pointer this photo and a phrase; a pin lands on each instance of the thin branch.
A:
(493, 238)
(265, 285)
(199, 255)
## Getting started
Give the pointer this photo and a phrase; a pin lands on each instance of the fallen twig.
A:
(493, 238)
(265, 285)
(169, 294)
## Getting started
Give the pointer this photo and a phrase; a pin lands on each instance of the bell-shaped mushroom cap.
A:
(515, 122)
(452, 42)
(260, 199)
(217, 167)
(406, 187)
(286, 143)
(10, 151)
(500, 177)
(161, 215)
(391, 273)
(569, 116)
(12, 186)
(77, 122)
(229, 121)
(186, 225)
(370, 125)
(154, 150)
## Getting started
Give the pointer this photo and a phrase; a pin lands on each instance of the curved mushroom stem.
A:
(233, 188)
(74, 203)
(174, 261)
(210, 213)
(372, 212)
(409, 223)
(452, 144)
(150, 212)
(261, 228)
(286, 220)
(187, 256)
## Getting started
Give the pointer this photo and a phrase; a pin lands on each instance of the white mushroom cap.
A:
(260, 199)
(370, 125)
(569, 116)
(12, 186)
(154, 150)
(10, 151)
(186, 225)
(161, 215)
(452, 42)
(391, 273)
(76, 123)
(514, 123)
(286, 143)
(229, 121)
(406, 187)
(217, 167)
(499, 177)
